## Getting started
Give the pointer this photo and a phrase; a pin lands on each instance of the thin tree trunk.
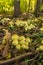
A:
(37, 9)
(17, 11)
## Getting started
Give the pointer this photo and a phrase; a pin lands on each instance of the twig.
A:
(32, 58)
(16, 58)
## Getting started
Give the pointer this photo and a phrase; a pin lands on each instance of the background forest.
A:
(7, 6)
(21, 32)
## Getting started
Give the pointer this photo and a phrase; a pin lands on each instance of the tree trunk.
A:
(37, 9)
(17, 11)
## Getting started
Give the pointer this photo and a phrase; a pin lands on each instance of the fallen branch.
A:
(17, 57)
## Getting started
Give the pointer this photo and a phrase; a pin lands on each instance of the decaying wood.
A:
(8, 36)
(1, 47)
(5, 52)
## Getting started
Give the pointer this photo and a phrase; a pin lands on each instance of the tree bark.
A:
(17, 10)
(37, 9)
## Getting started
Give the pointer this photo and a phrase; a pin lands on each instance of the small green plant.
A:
(20, 42)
